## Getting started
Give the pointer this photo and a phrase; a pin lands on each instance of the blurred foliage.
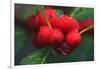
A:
(26, 12)
(85, 52)
(21, 37)
(59, 12)
(86, 13)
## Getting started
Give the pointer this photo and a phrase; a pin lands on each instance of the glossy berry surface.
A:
(52, 17)
(73, 38)
(56, 37)
(67, 23)
(42, 39)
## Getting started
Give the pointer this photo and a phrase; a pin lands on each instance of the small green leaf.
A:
(21, 37)
(36, 57)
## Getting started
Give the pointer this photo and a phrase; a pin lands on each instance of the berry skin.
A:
(56, 37)
(73, 38)
(47, 36)
(85, 23)
(32, 22)
(67, 23)
(52, 17)
(43, 37)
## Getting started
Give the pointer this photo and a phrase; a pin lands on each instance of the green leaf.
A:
(86, 13)
(21, 37)
(36, 57)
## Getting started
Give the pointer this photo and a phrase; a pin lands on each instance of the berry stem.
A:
(86, 29)
(74, 11)
(44, 14)
(44, 58)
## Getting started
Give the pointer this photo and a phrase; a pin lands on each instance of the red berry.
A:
(67, 23)
(85, 23)
(52, 17)
(43, 37)
(48, 36)
(32, 22)
(56, 37)
(73, 38)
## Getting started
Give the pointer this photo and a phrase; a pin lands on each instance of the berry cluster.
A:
(63, 35)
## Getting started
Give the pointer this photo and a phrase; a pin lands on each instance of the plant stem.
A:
(74, 11)
(44, 58)
(86, 29)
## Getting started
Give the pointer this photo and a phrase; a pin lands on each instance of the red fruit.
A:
(73, 38)
(48, 36)
(63, 49)
(43, 37)
(52, 17)
(56, 37)
(85, 23)
(67, 23)
(32, 22)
